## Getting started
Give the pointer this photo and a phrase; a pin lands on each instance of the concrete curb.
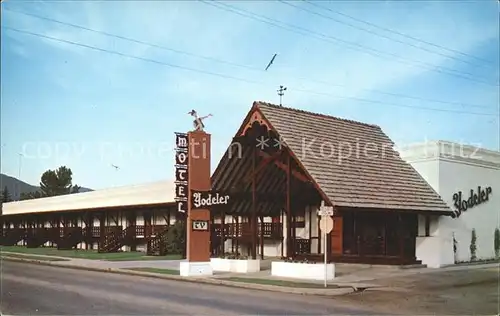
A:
(20, 254)
(205, 280)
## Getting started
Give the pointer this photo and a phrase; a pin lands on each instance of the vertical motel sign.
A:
(181, 171)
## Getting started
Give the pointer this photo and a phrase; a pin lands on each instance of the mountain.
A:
(16, 186)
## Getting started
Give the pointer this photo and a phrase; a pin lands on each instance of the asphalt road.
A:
(30, 289)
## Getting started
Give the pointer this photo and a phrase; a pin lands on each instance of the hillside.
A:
(16, 187)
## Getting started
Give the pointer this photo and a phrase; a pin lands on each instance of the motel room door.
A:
(371, 234)
(336, 236)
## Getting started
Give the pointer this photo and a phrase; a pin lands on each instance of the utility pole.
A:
(281, 92)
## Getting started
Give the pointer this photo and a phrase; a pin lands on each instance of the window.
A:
(300, 219)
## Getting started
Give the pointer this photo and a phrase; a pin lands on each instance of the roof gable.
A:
(353, 163)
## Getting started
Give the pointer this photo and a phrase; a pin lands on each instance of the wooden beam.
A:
(222, 232)
(288, 208)
(264, 162)
(281, 223)
(254, 206)
(283, 167)
(262, 237)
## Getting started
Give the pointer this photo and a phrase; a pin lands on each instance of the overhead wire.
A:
(243, 66)
(177, 51)
(386, 29)
(348, 44)
(92, 47)
(380, 35)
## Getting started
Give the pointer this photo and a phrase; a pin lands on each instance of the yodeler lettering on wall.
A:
(475, 198)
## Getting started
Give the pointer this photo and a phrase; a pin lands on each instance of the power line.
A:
(351, 45)
(232, 77)
(177, 51)
(393, 104)
(357, 46)
(236, 64)
(398, 33)
(378, 34)
(127, 55)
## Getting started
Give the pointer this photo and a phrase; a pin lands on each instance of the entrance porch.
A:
(283, 163)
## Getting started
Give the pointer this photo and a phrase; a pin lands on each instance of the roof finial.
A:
(281, 92)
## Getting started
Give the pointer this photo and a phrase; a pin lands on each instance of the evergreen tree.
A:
(58, 182)
(6, 197)
(496, 243)
(473, 246)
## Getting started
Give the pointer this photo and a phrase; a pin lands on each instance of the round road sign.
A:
(326, 224)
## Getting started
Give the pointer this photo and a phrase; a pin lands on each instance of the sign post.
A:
(326, 226)
(194, 197)
(193, 174)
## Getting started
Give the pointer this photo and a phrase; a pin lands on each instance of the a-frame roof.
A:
(354, 164)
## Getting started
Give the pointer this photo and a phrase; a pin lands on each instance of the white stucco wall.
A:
(450, 168)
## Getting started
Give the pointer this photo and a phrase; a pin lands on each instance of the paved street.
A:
(454, 291)
(30, 289)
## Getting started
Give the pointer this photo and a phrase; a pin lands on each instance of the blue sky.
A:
(67, 105)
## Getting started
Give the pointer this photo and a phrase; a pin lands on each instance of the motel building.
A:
(418, 205)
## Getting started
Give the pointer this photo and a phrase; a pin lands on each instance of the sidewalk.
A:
(349, 277)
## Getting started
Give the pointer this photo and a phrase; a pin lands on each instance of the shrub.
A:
(176, 238)
(473, 246)
(496, 242)
(455, 243)
(293, 260)
(234, 255)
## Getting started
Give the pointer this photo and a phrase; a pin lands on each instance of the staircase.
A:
(116, 239)
(71, 237)
(12, 236)
(157, 246)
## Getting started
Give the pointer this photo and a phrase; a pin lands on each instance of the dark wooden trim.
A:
(282, 221)
(237, 234)
(427, 225)
(288, 208)
(262, 165)
(319, 234)
(414, 211)
(310, 222)
(254, 206)
(295, 173)
(222, 232)
(262, 237)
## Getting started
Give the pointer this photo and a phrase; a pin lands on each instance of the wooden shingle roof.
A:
(354, 164)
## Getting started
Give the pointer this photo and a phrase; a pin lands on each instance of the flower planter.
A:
(309, 271)
(235, 265)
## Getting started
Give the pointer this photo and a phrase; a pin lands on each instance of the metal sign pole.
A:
(326, 271)
(326, 226)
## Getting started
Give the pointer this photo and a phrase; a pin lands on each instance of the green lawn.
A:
(87, 254)
(13, 255)
(279, 283)
(156, 270)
